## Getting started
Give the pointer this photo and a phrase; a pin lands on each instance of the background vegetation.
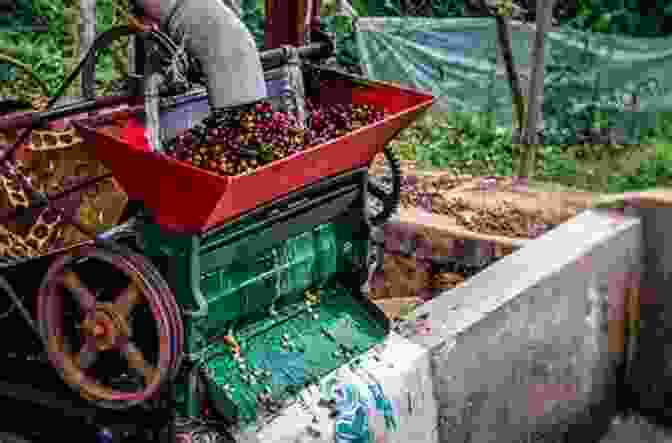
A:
(463, 143)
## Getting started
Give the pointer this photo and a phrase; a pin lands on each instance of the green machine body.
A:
(272, 300)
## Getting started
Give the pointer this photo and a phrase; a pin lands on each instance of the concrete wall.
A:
(522, 350)
(526, 351)
(650, 378)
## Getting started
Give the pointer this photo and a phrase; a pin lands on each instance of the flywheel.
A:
(384, 191)
(111, 326)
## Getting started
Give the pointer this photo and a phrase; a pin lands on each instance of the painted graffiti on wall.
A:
(363, 414)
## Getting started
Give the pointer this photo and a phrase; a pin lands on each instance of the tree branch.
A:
(527, 160)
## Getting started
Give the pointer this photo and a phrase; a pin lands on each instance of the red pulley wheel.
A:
(106, 325)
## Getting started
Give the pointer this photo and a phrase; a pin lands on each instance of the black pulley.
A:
(384, 192)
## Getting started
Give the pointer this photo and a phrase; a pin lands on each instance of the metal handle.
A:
(279, 56)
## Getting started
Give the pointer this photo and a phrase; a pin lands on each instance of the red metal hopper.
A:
(186, 199)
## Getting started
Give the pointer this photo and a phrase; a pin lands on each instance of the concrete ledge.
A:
(523, 348)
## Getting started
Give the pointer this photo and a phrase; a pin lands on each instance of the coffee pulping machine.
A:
(216, 299)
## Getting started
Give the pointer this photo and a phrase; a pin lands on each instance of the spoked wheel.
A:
(382, 200)
(111, 326)
(384, 191)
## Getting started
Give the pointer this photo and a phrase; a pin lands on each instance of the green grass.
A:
(44, 51)
(468, 144)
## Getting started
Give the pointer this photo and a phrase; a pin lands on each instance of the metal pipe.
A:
(225, 48)
(30, 119)
(276, 57)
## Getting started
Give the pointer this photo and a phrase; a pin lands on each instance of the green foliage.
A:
(360, 6)
(575, 102)
(643, 18)
(554, 165)
(342, 27)
(252, 15)
(43, 51)
(651, 173)
(470, 144)
(468, 141)
(431, 8)
(462, 142)
(21, 17)
(663, 129)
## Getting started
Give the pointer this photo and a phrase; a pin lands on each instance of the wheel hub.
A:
(106, 327)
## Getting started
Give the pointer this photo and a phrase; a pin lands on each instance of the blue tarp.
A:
(455, 59)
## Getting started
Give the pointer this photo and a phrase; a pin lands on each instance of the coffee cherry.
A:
(272, 135)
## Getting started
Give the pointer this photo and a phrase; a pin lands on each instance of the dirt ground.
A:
(489, 205)
(478, 208)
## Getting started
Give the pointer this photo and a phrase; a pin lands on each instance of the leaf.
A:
(602, 23)
(360, 6)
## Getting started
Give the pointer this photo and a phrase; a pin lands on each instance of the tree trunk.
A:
(136, 63)
(87, 34)
(71, 19)
(504, 40)
(504, 43)
(527, 161)
(121, 51)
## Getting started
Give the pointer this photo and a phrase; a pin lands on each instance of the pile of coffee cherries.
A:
(238, 142)
(327, 122)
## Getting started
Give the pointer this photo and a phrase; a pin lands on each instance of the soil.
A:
(403, 285)
(464, 207)
(488, 205)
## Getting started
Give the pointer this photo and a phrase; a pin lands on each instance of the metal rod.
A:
(279, 56)
(32, 119)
